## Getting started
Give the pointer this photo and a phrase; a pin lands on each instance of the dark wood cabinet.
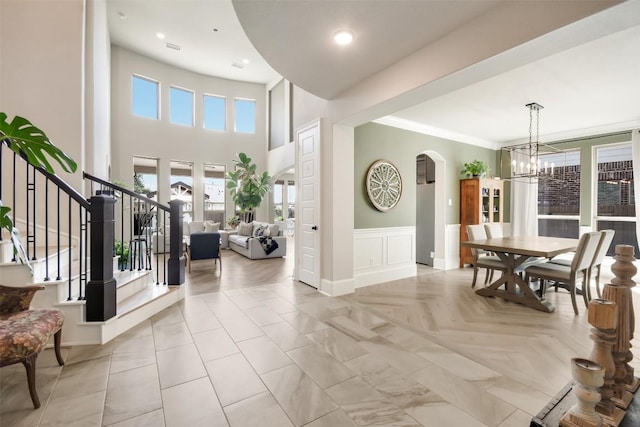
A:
(480, 202)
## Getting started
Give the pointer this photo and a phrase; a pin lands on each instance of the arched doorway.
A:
(431, 205)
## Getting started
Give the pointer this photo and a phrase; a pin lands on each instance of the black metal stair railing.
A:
(59, 223)
(36, 198)
(141, 229)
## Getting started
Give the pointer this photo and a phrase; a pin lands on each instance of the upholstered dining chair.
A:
(204, 246)
(481, 259)
(601, 252)
(606, 237)
(569, 275)
(494, 230)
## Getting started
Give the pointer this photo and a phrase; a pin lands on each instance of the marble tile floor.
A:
(423, 351)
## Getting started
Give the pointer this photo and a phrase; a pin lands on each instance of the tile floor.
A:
(270, 355)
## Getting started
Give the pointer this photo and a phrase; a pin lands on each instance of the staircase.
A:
(69, 244)
(138, 296)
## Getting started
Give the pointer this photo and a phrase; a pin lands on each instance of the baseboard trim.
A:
(336, 288)
(388, 274)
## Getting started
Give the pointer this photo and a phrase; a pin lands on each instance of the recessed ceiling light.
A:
(160, 36)
(343, 37)
(122, 15)
(215, 30)
(245, 61)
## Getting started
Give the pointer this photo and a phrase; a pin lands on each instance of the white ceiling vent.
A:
(173, 46)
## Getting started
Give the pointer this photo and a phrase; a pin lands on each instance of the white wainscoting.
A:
(383, 254)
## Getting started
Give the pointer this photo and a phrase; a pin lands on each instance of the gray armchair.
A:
(204, 246)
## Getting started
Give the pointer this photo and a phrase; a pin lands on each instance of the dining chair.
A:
(569, 275)
(606, 237)
(601, 252)
(203, 245)
(494, 230)
(481, 259)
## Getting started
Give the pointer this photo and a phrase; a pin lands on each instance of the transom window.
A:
(215, 112)
(145, 97)
(181, 108)
(245, 115)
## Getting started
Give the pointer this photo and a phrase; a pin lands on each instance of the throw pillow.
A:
(211, 227)
(274, 230)
(258, 231)
(245, 229)
(196, 227)
(267, 231)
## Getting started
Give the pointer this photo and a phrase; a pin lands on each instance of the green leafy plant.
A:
(246, 186)
(474, 168)
(233, 221)
(30, 142)
(122, 252)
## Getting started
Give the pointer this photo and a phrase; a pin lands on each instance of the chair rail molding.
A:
(383, 254)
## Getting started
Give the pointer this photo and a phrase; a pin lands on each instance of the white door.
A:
(308, 203)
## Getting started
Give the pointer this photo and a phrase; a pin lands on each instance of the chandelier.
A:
(525, 158)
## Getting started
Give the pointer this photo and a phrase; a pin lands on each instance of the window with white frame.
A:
(245, 115)
(145, 98)
(214, 193)
(182, 186)
(215, 114)
(181, 106)
(615, 199)
(559, 194)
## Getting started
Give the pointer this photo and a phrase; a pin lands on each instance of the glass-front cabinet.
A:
(481, 201)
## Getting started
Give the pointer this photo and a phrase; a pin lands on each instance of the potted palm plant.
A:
(247, 187)
(31, 143)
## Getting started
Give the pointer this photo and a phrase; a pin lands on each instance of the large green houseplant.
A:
(246, 186)
(28, 141)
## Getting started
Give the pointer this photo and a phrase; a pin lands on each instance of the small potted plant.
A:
(233, 222)
(475, 169)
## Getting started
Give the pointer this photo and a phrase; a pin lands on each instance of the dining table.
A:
(514, 251)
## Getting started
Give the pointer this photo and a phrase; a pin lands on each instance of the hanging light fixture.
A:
(525, 158)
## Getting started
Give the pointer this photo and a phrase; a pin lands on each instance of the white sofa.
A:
(247, 244)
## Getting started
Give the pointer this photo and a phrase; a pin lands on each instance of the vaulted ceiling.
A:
(587, 80)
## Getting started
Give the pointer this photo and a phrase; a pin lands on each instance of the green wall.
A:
(373, 142)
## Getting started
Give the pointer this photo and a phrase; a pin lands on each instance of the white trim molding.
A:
(336, 288)
(383, 254)
(451, 257)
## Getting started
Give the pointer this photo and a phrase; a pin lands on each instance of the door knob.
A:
(315, 227)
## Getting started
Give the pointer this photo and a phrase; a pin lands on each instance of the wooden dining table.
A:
(514, 251)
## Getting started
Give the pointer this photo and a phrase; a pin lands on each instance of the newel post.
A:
(175, 265)
(101, 288)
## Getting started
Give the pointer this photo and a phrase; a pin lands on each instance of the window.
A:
(245, 115)
(559, 195)
(182, 186)
(284, 195)
(145, 177)
(615, 205)
(277, 202)
(214, 193)
(215, 112)
(291, 199)
(181, 106)
(144, 97)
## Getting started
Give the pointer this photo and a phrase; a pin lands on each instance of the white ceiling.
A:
(590, 88)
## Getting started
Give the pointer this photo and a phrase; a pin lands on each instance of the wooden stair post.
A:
(175, 265)
(101, 288)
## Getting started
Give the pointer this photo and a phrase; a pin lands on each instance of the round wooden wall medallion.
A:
(384, 185)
